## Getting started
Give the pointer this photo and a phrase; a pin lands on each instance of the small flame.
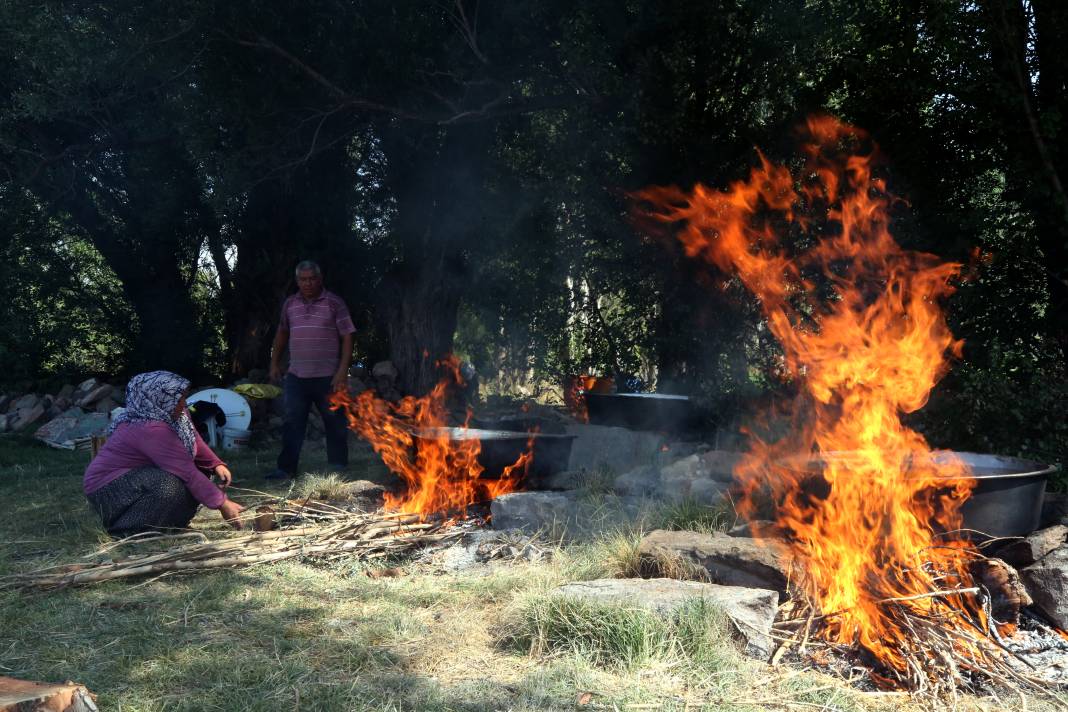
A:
(439, 465)
(857, 494)
(575, 396)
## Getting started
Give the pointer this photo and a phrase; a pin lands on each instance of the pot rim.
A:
(998, 466)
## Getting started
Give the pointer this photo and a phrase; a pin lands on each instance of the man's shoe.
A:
(278, 474)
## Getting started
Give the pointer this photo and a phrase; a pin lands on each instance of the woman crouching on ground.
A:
(151, 473)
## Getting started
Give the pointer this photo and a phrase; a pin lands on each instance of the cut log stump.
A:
(25, 696)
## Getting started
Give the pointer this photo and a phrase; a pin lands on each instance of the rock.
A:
(105, 405)
(566, 480)
(27, 402)
(385, 369)
(276, 421)
(118, 394)
(356, 386)
(708, 492)
(62, 403)
(1047, 582)
(757, 529)
(1032, 548)
(751, 611)
(95, 395)
(716, 557)
(642, 481)
(5, 402)
(1054, 509)
(65, 392)
(715, 465)
(617, 449)
(26, 417)
(561, 513)
(88, 385)
(3, 422)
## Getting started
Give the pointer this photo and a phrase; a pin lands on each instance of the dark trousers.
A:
(144, 499)
(300, 394)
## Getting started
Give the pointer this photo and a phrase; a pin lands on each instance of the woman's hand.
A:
(229, 510)
(223, 473)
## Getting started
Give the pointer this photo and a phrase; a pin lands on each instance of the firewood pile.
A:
(307, 530)
(978, 635)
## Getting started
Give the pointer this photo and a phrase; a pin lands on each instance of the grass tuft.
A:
(690, 515)
(621, 638)
(330, 487)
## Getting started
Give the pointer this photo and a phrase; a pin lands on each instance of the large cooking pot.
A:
(501, 448)
(661, 412)
(1007, 497)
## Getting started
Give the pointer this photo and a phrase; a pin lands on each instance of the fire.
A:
(575, 396)
(858, 496)
(439, 464)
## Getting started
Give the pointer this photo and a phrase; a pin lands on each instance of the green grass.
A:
(311, 637)
(614, 636)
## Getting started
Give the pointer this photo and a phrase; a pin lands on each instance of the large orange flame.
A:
(439, 464)
(858, 495)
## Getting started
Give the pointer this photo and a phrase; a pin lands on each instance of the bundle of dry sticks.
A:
(948, 646)
(312, 530)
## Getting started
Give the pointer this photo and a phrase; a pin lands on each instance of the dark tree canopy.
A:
(462, 171)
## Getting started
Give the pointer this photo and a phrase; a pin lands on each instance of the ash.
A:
(1040, 651)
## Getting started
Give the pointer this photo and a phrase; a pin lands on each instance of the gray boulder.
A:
(94, 396)
(65, 392)
(563, 513)
(616, 449)
(717, 558)
(1030, 549)
(565, 480)
(715, 465)
(751, 611)
(26, 402)
(25, 417)
(642, 481)
(1047, 582)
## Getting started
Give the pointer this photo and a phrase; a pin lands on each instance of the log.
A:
(25, 696)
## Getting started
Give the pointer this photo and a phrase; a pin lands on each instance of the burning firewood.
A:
(441, 473)
(1007, 593)
(857, 495)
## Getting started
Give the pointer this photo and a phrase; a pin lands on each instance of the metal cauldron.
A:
(500, 448)
(661, 412)
(1006, 500)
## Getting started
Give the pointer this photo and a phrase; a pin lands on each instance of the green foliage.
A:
(64, 313)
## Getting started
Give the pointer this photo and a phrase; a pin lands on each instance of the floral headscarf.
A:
(153, 396)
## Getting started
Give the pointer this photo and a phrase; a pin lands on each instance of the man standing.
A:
(313, 323)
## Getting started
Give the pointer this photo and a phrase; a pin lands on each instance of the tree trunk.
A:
(1035, 175)
(438, 180)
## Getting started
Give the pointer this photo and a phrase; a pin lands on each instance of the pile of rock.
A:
(630, 472)
(81, 408)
